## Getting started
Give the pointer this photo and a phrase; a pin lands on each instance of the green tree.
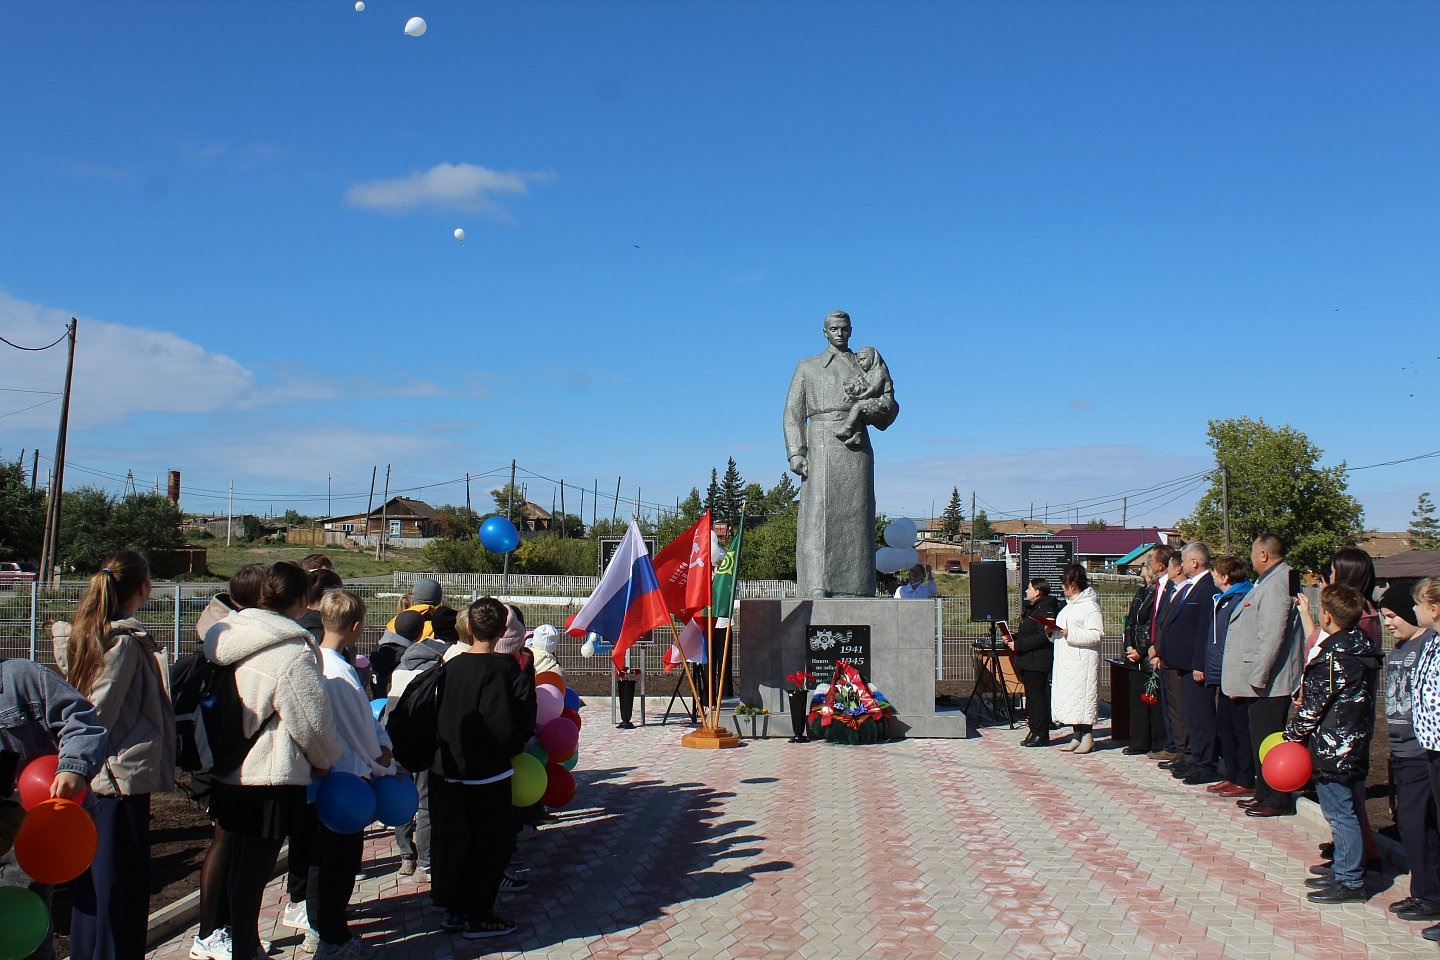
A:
(84, 528)
(981, 529)
(780, 497)
(294, 518)
(712, 495)
(753, 496)
(555, 556)
(22, 514)
(691, 507)
(1095, 523)
(508, 499)
(769, 550)
(1276, 484)
(456, 523)
(952, 520)
(732, 495)
(1424, 529)
(145, 522)
(461, 556)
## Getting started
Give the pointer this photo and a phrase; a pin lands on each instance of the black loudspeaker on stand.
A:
(987, 592)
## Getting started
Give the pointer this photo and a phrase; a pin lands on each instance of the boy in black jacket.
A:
(1337, 718)
(484, 718)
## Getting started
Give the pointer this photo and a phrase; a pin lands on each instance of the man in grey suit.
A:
(1264, 660)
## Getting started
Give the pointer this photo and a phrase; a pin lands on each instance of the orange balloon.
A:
(57, 842)
(552, 678)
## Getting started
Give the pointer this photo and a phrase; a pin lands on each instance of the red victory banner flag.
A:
(684, 568)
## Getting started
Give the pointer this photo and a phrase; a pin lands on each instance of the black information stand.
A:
(676, 694)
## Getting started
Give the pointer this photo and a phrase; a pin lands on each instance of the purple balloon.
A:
(549, 701)
(557, 740)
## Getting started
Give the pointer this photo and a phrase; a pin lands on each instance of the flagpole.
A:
(729, 619)
(685, 664)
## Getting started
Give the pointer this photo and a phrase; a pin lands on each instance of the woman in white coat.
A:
(1075, 696)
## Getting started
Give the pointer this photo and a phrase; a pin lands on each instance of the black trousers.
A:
(252, 862)
(1267, 716)
(473, 838)
(301, 858)
(1037, 701)
(1416, 817)
(1232, 729)
(1147, 720)
(1173, 700)
(1199, 705)
(112, 899)
(335, 860)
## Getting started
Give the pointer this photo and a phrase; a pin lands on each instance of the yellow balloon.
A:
(1270, 743)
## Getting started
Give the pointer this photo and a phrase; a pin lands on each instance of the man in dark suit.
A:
(1178, 742)
(1187, 632)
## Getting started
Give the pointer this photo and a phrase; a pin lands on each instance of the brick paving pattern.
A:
(922, 848)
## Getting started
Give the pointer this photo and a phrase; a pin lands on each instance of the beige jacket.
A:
(133, 703)
(282, 686)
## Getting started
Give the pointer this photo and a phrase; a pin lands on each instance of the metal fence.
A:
(27, 612)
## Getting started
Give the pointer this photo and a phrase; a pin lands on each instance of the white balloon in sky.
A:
(359, 6)
(415, 26)
(459, 233)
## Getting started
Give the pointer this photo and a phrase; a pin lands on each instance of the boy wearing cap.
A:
(1414, 806)
(408, 626)
(425, 596)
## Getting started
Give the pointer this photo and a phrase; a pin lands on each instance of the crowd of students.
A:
(289, 635)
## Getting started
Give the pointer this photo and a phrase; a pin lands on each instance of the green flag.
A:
(722, 585)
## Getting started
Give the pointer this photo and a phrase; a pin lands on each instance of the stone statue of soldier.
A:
(835, 397)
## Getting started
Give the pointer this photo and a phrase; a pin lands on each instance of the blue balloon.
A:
(572, 699)
(396, 800)
(499, 535)
(377, 707)
(345, 803)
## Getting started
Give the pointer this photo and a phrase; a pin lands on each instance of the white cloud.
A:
(459, 187)
(119, 370)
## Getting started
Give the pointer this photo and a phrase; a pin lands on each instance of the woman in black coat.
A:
(1147, 723)
(1034, 658)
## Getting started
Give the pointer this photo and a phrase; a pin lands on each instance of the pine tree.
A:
(732, 494)
(712, 495)
(952, 521)
(1424, 529)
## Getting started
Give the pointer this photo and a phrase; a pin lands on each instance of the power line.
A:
(31, 407)
(36, 349)
(48, 393)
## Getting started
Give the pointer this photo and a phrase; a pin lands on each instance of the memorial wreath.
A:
(849, 711)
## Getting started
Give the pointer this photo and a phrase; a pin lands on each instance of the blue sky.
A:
(1075, 231)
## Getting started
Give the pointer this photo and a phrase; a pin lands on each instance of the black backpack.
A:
(413, 721)
(209, 716)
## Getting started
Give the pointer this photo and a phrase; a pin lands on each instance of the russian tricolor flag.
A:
(627, 602)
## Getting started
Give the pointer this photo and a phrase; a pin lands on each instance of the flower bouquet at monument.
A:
(849, 711)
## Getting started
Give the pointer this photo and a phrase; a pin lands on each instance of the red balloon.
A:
(572, 715)
(56, 842)
(559, 786)
(559, 737)
(34, 782)
(1287, 766)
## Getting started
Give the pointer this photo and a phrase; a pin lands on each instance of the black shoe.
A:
(1029, 739)
(453, 921)
(485, 927)
(1170, 764)
(1135, 751)
(1319, 883)
(1323, 870)
(1418, 910)
(624, 725)
(1431, 933)
(1199, 778)
(1337, 894)
(1399, 905)
(1037, 743)
(1327, 851)
(1181, 771)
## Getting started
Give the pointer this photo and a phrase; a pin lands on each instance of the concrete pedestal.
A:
(902, 655)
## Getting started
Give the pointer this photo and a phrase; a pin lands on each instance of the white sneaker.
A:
(214, 947)
(311, 943)
(352, 949)
(295, 916)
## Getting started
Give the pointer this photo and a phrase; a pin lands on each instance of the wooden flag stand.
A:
(712, 736)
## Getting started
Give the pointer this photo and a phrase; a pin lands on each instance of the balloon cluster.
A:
(542, 773)
(899, 551)
(56, 843)
(1285, 765)
(498, 535)
(348, 804)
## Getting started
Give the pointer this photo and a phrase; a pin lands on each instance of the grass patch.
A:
(223, 560)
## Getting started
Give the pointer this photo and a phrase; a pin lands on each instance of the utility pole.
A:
(509, 504)
(562, 508)
(49, 548)
(1225, 503)
(370, 504)
(594, 503)
(970, 551)
(384, 516)
(329, 507)
(34, 469)
(467, 494)
(1124, 511)
(615, 511)
(230, 514)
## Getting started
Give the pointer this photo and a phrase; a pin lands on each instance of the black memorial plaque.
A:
(608, 546)
(827, 645)
(1046, 559)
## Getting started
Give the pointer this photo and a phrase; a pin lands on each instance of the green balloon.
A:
(538, 752)
(569, 762)
(527, 786)
(24, 922)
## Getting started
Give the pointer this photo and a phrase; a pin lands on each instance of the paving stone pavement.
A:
(920, 848)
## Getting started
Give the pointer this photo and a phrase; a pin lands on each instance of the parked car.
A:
(954, 566)
(12, 572)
